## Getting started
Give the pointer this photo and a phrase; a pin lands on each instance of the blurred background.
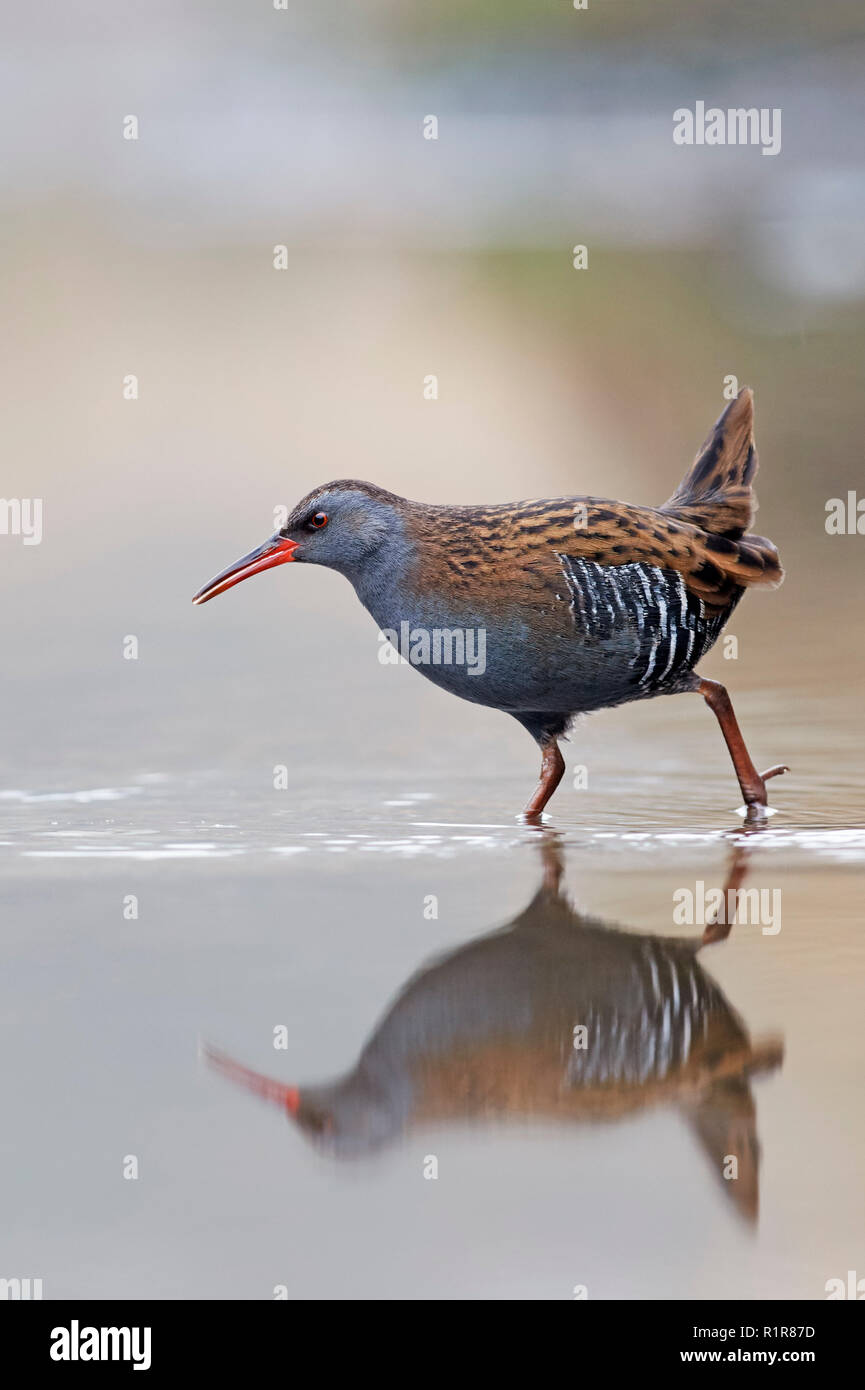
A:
(406, 257)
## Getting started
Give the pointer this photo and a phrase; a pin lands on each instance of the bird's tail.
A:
(717, 496)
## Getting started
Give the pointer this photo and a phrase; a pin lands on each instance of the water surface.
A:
(457, 950)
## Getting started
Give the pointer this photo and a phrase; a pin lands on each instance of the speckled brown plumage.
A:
(699, 532)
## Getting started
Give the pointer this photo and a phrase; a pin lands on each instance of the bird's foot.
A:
(756, 798)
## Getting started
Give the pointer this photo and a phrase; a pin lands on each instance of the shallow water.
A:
(393, 854)
(556, 1166)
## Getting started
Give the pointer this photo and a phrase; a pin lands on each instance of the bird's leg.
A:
(719, 922)
(550, 842)
(554, 868)
(752, 782)
(552, 771)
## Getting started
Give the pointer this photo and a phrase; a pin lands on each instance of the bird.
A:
(577, 603)
(488, 1033)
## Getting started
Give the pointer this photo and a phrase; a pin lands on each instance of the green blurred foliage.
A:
(660, 25)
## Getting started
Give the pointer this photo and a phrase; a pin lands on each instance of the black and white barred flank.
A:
(671, 626)
(660, 1016)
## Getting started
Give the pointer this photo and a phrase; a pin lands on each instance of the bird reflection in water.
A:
(494, 1031)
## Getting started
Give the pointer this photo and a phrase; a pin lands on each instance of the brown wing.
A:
(712, 566)
(700, 531)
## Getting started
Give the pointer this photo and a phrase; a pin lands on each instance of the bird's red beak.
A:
(286, 1097)
(277, 551)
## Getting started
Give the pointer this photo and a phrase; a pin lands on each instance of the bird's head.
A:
(341, 525)
(349, 1118)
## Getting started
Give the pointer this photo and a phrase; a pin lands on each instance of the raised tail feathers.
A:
(717, 496)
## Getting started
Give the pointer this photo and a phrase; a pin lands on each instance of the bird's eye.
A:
(316, 522)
